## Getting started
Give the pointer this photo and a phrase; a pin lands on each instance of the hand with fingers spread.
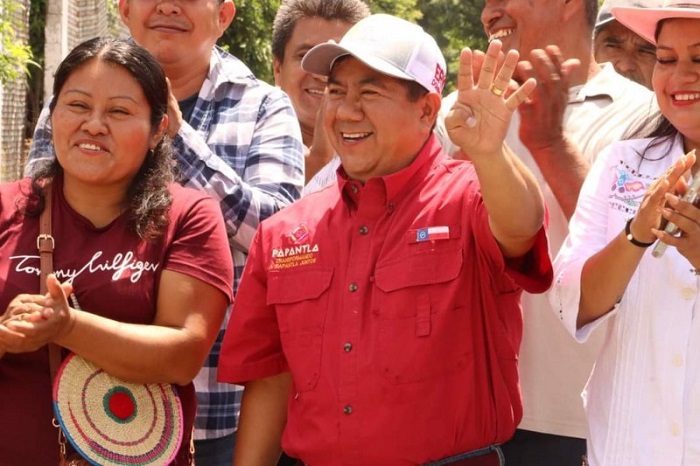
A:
(479, 120)
(541, 130)
(477, 124)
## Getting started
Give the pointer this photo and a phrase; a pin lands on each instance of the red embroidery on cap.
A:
(439, 78)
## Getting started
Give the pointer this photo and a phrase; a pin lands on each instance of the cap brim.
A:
(320, 59)
(643, 21)
(602, 23)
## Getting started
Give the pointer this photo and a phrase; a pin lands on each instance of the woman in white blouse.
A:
(642, 400)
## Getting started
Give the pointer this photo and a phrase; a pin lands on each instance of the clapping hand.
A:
(542, 115)
(479, 120)
(32, 321)
(673, 208)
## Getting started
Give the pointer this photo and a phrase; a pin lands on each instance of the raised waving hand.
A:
(479, 120)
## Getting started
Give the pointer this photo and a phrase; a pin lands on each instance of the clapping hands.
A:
(32, 320)
(542, 115)
(665, 194)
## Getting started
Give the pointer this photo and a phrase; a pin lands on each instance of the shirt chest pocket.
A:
(300, 298)
(420, 315)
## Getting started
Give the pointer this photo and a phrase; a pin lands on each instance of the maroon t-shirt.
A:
(115, 274)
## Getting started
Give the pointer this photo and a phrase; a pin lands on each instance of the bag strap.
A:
(45, 243)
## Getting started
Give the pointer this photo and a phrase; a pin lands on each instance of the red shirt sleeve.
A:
(532, 272)
(252, 348)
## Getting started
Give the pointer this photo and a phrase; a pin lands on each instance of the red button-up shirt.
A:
(396, 313)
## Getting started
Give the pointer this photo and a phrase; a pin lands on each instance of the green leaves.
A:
(249, 36)
(406, 9)
(454, 24)
(15, 58)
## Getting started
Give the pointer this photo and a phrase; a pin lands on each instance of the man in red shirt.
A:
(378, 322)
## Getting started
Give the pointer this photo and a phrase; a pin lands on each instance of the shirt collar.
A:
(224, 67)
(394, 185)
(602, 85)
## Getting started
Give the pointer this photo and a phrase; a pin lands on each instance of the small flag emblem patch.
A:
(433, 233)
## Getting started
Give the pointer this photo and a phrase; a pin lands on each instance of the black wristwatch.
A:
(630, 237)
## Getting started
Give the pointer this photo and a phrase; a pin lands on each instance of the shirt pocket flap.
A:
(426, 268)
(292, 286)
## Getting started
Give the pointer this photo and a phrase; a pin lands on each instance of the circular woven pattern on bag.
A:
(112, 422)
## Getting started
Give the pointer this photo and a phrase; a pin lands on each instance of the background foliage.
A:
(454, 24)
(14, 57)
(249, 36)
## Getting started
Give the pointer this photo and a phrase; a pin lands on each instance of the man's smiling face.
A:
(303, 88)
(523, 25)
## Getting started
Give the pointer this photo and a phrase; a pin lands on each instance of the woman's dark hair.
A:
(148, 195)
(657, 127)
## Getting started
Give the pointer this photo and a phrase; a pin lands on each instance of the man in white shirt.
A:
(577, 109)
(632, 56)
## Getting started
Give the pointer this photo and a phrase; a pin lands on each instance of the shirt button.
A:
(688, 293)
(678, 360)
(347, 347)
(364, 230)
(675, 429)
(354, 188)
(352, 287)
(347, 409)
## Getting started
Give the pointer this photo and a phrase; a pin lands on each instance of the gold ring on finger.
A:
(496, 91)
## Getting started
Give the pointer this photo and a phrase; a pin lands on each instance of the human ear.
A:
(430, 106)
(159, 133)
(124, 11)
(276, 70)
(227, 11)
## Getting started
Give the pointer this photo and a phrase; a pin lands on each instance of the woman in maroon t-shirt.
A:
(142, 267)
